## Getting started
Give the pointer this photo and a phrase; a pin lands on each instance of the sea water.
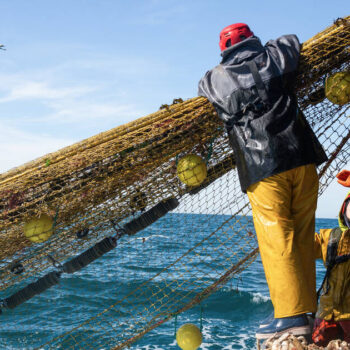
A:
(228, 318)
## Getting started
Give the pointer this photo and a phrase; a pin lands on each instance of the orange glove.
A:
(344, 178)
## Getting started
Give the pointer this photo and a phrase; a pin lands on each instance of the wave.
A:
(258, 298)
(146, 238)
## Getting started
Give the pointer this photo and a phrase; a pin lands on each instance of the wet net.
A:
(120, 190)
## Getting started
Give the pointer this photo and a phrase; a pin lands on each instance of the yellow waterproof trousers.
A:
(284, 208)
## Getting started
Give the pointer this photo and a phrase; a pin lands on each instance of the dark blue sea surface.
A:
(229, 317)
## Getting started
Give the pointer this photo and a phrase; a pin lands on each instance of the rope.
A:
(90, 255)
(201, 319)
(175, 325)
(55, 218)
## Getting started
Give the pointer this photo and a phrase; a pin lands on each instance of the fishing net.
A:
(120, 190)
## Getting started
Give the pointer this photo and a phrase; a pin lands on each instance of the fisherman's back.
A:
(252, 90)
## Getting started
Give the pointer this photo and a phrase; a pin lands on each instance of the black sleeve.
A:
(203, 87)
(286, 52)
(211, 87)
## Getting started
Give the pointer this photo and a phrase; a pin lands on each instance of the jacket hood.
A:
(341, 222)
(241, 51)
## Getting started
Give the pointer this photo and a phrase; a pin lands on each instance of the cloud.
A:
(41, 90)
(70, 112)
(44, 108)
(18, 147)
(98, 87)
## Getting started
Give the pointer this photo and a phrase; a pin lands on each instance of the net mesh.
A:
(124, 184)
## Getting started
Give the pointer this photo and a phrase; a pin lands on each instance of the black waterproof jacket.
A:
(253, 92)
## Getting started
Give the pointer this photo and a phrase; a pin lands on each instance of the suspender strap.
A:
(258, 81)
(332, 259)
(342, 258)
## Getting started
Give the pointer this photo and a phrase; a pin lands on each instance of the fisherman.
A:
(276, 156)
(333, 246)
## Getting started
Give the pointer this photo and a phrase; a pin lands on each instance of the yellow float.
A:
(189, 337)
(191, 170)
(337, 88)
(38, 229)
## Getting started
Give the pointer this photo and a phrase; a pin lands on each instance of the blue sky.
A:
(75, 68)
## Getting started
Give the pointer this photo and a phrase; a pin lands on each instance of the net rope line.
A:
(140, 287)
(127, 129)
(61, 214)
(177, 298)
(199, 297)
(179, 193)
(156, 142)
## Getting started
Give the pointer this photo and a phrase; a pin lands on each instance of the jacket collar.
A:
(341, 221)
(241, 51)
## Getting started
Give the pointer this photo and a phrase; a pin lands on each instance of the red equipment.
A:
(233, 34)
(344, 178)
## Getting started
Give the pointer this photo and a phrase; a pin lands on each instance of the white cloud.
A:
(70, 112)
(41, 90)
(18, 147)
(77, 97)
(100, 88)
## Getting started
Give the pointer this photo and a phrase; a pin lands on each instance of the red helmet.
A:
(234, 34)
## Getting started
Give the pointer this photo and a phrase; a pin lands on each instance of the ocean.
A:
(228, 317)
